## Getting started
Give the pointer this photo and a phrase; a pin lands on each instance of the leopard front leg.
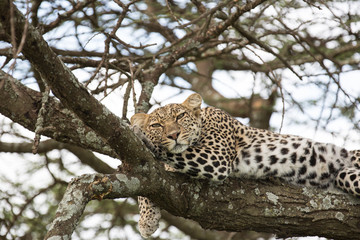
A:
(149, 213)
(149, 217)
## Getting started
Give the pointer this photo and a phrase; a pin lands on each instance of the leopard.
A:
(207, 143)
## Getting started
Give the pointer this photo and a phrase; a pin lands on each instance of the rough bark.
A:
(235, 205)
(22, 104)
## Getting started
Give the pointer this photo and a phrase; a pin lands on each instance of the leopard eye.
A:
(181, 115)
(155, 125)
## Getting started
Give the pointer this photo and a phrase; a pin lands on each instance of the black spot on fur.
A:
(302, 170)
(221, 177)
(273, 173)
(312, 175)
(209, 168)
(216, 163)
(324, 176)
(322, 159)
(273, 159)
(293, 158)
(179, 166)
(201, 160)
(352, 177)
(306, 151)
(344, 153)
(341, 184)
(301, 181)
(313, 183)
(322, 149)
(208, 175)
(272, 148)
(245, 154)
(296, 145)
(342, 175)
(333, 150)
(284, 151)
(194, 164)
(313, 158)
(332, 169)
(290, 174)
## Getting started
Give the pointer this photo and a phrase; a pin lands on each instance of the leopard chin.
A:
(179, 148)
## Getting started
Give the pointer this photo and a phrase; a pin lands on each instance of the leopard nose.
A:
(173, 136)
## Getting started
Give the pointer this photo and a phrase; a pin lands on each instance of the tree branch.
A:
(21, 104)
(235, 205)
(71, 93)
(85, 156)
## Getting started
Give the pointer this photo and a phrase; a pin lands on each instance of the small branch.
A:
(39, 126)
(71, 208)
(205, 14)
(253, 39)
(80, 5)
(17, 50)
(84, 155)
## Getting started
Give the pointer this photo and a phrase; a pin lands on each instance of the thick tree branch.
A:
(21, 104)
(234, 205)
(195, 231)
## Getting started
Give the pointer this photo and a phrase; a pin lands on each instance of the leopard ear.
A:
(139, 119)
(193, 102)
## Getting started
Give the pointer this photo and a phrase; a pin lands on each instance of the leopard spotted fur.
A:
(209, 143)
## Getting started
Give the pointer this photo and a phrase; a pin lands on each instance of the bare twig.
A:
(39, 127)
(127, 91)
(17, 50)
(205, 14)
(274, 78)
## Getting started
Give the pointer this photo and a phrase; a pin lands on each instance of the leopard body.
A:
(209, 143)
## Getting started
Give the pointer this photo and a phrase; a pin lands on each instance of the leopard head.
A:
(174, 127)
